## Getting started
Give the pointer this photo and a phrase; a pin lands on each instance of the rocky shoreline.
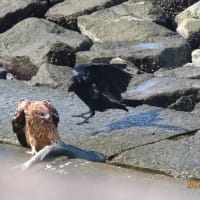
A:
(40, 42)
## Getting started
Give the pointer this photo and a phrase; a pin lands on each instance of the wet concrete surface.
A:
(12, 155)
(100, 181)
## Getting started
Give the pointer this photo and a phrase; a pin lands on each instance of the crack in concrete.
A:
(141, 169)
(173, 137)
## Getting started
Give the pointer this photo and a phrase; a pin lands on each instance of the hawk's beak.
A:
(45, 117)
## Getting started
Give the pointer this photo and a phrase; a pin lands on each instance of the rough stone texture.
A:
(20, 66)
(62, 15)
(167, 156)
(99, 26)
(189, 70)
(40, 41)
(148, 56)
(53, 76)
(13, 11)
(197, 109)
(172, 8)
(189, 24)
(141, 41)
(178, 93)
(196, 57)
(191, 12)
(113, 133)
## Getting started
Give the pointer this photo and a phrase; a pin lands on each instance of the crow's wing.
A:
(53, 112)
(110, 79)
(80, 69)
(18, 125)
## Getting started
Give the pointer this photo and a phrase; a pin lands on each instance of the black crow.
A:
(99, 86)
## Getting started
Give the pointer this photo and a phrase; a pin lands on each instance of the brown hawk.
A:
(35, 124)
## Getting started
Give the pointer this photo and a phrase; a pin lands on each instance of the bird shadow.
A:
(148, 118)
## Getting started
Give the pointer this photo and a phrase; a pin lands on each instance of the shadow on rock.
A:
(149, 118)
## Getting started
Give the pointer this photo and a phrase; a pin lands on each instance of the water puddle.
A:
(12, 155)
(107, 182)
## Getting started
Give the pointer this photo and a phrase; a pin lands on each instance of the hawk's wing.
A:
(18, 122)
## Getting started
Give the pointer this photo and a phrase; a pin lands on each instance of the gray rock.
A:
(114, 133)
(149, 56)
(189, 70)
(13, 11)
(20, 66)
(197, 109)
(41, 41)
(190, 12)
(53, 76)
(128, 31)
(172, 8)
(62, 15)
(177, 157)
(135, 37)
(189, 24)
(173, 92)
(104, 25)
(196, 57)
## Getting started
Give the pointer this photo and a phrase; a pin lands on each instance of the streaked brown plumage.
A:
(35, 123)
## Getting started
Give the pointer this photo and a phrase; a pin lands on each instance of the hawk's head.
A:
(39, 110)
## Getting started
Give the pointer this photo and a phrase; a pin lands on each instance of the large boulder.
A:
(196, 57)
(40, 41)
(62, 15)
(189, 24)
(189, 70)
(175, 157)
(53, 76)
(120, 23)
(158, 52)
(20, 66)
(129, 31)
(172, 92)
(172, 8)
(13, 11)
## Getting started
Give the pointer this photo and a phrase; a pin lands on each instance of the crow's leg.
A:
(86, 118)
(82, 114)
